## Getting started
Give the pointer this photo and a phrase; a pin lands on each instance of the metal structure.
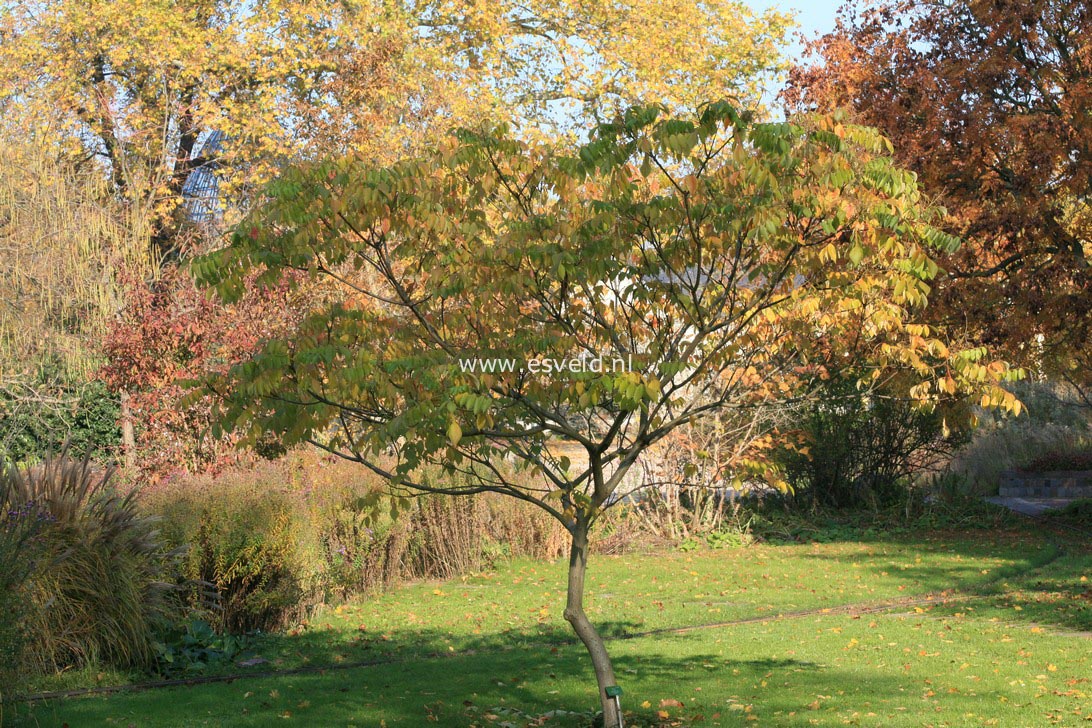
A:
(201, 190)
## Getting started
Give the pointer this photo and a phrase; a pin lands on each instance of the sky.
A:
(814, 17)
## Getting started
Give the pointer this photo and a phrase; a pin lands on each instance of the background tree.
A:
(716, 256)
(132, 91)
(133, 87)
(990, 104)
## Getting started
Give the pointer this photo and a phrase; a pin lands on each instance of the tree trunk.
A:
(574, 614)
(128, 438)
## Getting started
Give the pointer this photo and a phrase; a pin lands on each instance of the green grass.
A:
(492, 649)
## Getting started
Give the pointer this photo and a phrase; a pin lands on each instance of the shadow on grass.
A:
(1056, 595)
(910, 557)
(519, 686)
(1043, 586)
(1051, 586)
(692, 681)
(331, 645)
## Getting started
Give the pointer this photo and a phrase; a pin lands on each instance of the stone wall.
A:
(1061, 484)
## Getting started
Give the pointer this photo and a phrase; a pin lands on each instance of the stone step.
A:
(1045, 491)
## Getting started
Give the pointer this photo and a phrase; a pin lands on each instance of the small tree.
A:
(717, 260)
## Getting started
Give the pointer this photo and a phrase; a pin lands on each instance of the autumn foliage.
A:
(126, 96)
(990, 103)
(169, 335)
(733, 263)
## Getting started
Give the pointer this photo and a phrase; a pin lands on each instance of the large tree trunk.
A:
(574, 614)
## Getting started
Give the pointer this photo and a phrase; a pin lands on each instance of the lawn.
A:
(1003, 641)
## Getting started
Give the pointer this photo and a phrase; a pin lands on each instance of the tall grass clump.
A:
(96, 592)
(20, 557)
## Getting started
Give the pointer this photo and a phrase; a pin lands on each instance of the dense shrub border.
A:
(80, 416)
(257, 549)
(264, 545)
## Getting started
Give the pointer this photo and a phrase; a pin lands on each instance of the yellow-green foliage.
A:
(247, 540)
(283, 79)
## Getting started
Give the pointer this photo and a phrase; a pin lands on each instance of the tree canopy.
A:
(135, 86)
(990, 104)
(140, 98)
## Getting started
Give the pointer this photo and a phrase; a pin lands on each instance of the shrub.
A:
(102, 597)
(244, 566)
(366, 547)
(864, 451)
(1060, 459)
(46, 413)
(370, 543)
(362, 553)
(165, 337)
